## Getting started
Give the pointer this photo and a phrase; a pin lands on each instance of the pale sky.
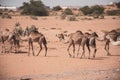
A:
(51, 3)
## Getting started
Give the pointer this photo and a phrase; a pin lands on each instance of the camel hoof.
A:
(73, 56)
(108, 54)
(80, 57)
(70, 55)
(88, 57)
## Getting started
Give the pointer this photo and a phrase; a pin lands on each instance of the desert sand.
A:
(57, 65)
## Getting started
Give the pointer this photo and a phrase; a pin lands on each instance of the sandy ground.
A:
(57, 65)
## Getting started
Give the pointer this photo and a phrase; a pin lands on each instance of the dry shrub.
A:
(63, 16)
(71, 18)
(6, 15)
(34, 17)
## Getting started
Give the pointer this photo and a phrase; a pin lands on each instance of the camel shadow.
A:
(21, 52)
(99, 58)
(115, 55)
(52, 56)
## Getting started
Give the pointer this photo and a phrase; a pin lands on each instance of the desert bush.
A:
(6, 15)
(118, 4)
(94, 10)
(101, 16)
(62, 16)
(95, 16)
(113, 12)
(57, 8)
(34, 17)
(34, 7)
(86, 10)
(67, 12)
(71, 18)
(98, 10)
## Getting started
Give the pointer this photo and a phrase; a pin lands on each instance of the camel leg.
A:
(32, 48)
(40, 49)
(83, 53)
(3, 48)
(107, 47)
(70, 44)
(73, 50)
(95, 50)
(88, 47)
(45, 49)
(29, 47)
(78, 50)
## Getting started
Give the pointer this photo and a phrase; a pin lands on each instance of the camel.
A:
(113, 37)
(12, 38)
(60, 37)
(82, 39)
(38, 37)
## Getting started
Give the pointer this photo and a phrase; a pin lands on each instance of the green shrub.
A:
(94, 10)
(113, 12)
(57, 8)
(86, 10)
(6, 15)
(118, 4)
(34, 7)
(68, 12)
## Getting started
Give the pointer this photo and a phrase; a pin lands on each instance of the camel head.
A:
(94, 34)
(113, 35)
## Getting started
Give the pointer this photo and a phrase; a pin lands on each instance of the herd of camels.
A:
(78, 37)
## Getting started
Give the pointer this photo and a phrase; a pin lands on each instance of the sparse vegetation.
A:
(63, 16)
(68, 12)
(94, 10)
(113, 12)
(86, 10)
(34, 7)
(57, 8)
(34, 17)
(71, 18)
(6, 15)
(118, 4)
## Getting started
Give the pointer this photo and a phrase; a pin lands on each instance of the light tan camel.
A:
(38, 37)
(82, 39)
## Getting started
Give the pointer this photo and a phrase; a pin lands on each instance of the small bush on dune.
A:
(68, 12)
(113, 12)
(57, 8)
(71, 18)
(63, 16)
(6, 15)
(34, 17)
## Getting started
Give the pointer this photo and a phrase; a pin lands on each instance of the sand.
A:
(57, 65)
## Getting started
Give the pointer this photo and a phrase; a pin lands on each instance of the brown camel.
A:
(36, 36)
(12, 38)
(82, 39)
(109, 37)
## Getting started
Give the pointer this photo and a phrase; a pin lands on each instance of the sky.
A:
(52, 3)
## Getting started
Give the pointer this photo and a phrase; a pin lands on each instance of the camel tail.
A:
(44, 41)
